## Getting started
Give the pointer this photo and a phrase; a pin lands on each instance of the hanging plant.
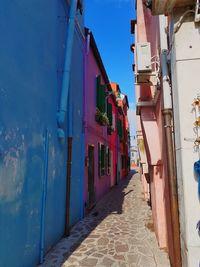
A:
(101, 118)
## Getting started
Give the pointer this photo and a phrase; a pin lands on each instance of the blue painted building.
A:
(33, 160)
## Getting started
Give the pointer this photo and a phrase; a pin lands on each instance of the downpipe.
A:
(68, 185)
(86, 54)
(69, 166)
(61, 114)
(168, 126)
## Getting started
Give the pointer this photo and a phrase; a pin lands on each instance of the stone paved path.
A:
(119, 235)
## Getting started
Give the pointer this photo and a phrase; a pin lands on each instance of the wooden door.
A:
(91, 188)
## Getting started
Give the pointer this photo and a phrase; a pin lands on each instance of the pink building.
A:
(174, 32)
(122, 134)
(150, 130)
(112, 139)
(100, 127)
(103, 152)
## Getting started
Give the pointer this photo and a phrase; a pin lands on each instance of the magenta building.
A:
(97, 167)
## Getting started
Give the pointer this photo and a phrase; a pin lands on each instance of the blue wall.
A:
(76, 97)
(31, 59)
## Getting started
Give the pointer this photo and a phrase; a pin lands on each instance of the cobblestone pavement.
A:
(117, 233)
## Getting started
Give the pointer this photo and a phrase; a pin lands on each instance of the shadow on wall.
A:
(82, 230)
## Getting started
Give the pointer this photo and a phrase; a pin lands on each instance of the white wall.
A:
(185, 69)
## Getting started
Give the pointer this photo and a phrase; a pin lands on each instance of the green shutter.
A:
(109, 158)
(99, 159)
(102, 159)
(102, 99)
(106, 161)
(109, 161)
(109, 113)
(119, 128)
(100, 95)
(98, 86)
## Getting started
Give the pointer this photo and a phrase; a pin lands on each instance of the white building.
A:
(184, 64)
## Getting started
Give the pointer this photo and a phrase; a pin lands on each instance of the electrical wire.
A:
(177, 27)
(180, 21)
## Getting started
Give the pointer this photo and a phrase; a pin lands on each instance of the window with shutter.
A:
(99, 159)
(103, 160)
(119, 128)
(109, 161)
(100, 95)
(109, 113)
(113, 121)
(98, 84)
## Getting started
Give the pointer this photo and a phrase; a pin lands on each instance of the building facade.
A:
(57, 158)
(183, 58)
(177, 42)
(102, 147)
(151, 125)
(32, 155)
(123, 134)
(133, 157)
(97, 177)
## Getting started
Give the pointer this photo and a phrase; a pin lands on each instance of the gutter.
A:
(171, 165)
(66, 71)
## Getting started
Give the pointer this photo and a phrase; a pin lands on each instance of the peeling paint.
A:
(12, 164)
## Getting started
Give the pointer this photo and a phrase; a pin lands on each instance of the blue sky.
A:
(109, 20)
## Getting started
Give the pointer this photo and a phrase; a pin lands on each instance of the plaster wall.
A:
(94, 133)
(32, 52)
(152, 123)
(112, 139)
(185, 81)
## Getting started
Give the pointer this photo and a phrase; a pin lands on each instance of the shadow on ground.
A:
(111, 203)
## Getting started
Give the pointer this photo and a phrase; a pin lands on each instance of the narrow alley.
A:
(118, 232)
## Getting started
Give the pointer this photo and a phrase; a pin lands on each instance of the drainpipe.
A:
(69, 165)
(168, 116)
(44, 194)
(64, 100)
(68, 189)
(86, 53)
(66, 71)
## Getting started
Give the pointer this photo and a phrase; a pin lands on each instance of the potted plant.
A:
(101, 118)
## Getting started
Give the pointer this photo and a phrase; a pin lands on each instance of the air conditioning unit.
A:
(144, 74)
(143, 57)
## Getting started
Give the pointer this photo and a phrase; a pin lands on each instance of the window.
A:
(101, 159)
(108, 160)
(100, 95)
(123, 162)
(113, 121)
(109, 113)
(119, 128)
